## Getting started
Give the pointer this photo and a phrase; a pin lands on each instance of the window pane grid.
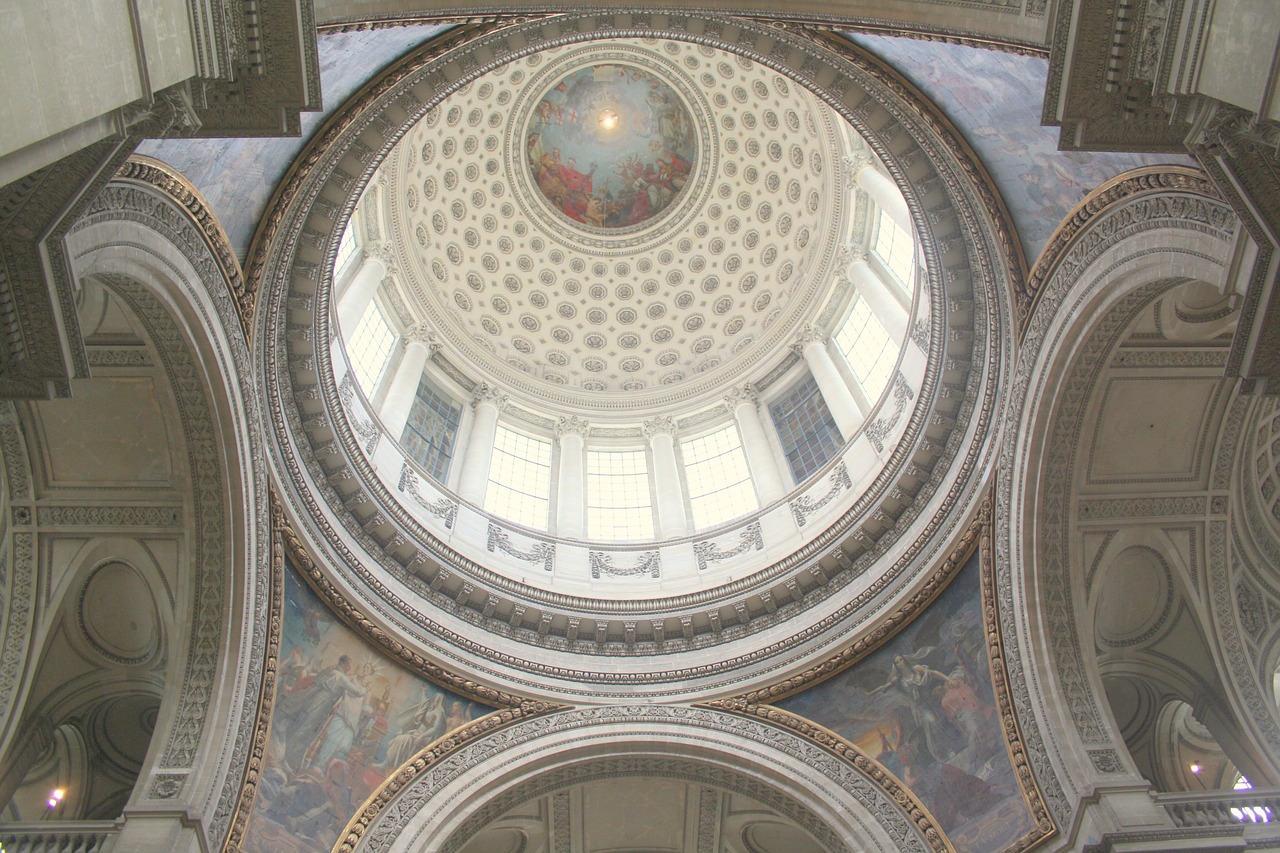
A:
(894, 247)
(370, 347)
(867, 348)
(619, 505)
(809, 434)
(432, 429)
(520, 478)
(719, 482)
(346, 247)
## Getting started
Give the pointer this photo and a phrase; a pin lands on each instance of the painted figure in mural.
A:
(310, 707)
(421, 724)
(918, 684)
(617, 121)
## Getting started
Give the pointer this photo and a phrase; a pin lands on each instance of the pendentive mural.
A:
(344, 719)
(610, 145)
(923, 706)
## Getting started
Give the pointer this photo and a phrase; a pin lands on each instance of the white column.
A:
(474, 482)
(404, 384)
(359, 293)
(661, 433)
(884, 192)
(880, 299)
(745, 405)
(571, 485)
(812, 345)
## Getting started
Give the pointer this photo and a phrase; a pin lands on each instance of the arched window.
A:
(895, 249)
(370, 347)
(867, 348)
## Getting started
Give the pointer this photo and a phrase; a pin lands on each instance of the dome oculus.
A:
(610, 145)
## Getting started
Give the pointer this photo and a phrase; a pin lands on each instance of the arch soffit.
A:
(149, 238)
(296, 245)
(834, 798)
(1133, 239)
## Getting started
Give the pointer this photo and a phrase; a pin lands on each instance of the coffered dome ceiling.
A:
(651, 217)
(621, 280)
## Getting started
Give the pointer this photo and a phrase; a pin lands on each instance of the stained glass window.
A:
(432, 429)
(809, 435)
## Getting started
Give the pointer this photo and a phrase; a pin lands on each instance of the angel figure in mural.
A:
(420, 725)
(917, 685)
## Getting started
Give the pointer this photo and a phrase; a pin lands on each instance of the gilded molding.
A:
(266, 700)
(1045, 828)
(355, 619)
(1105, 198)
(432, 755)
(924, 822)
(152, 173)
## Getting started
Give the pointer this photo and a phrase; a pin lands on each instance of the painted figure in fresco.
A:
(422, 723)
(917, 683)
(621, 122)
(310, 707)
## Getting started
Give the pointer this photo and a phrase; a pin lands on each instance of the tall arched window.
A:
(719, 482)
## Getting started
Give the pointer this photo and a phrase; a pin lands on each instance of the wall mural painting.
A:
(345, 718)
(923, 706)
(611, 145)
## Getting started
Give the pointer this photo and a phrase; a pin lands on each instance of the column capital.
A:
(851, 254)
(380, 251)
(743, 394)
(421, 333)
(661, 425)
(486, 393)
(807, 335)
(572, 425)
(855, 163)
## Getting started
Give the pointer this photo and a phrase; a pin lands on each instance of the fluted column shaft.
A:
(571, 486)
(474, 481)
(755, 445)
(666, 477)
(885, 193)
(359, 293)
(840, 402)
(880, 299)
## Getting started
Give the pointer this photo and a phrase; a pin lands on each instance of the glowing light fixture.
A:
(1194, 768)
(55, 797)
(608, 119)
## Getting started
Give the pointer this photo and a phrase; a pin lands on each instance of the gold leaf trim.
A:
(266, 698)
(150, 172)
(430, 756)
(924, 822)
(1044, 826)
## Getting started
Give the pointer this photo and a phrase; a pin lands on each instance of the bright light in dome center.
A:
(608, 119)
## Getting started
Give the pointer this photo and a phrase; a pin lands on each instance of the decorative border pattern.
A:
(384, 817)
(136, 200)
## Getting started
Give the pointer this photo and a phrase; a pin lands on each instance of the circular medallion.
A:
(611, 145)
